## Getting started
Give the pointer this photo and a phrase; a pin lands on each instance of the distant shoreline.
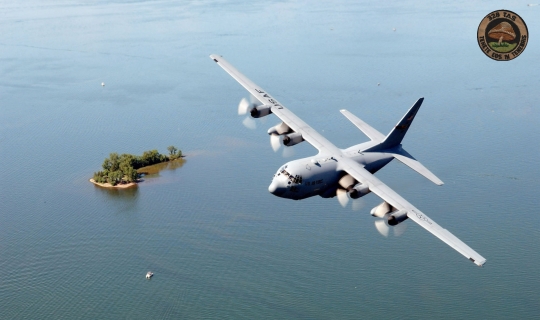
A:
(119, 186)
(125, 170)
(146, 170)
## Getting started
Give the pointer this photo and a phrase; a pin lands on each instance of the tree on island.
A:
(123, 168)
(174, 153)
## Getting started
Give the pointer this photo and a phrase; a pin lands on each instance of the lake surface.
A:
(220, 245)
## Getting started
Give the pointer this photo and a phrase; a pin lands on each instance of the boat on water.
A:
(149, 274)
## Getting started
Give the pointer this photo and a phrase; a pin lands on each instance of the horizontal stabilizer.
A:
(368, 130)
(418, 167)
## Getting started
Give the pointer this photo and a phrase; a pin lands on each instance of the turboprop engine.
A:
(353, 188)
(275, 141)
(260, 111)
(292, 139)
(358, 191)
(389, 213)
(350, 188)
(280, 129)
(389, 217)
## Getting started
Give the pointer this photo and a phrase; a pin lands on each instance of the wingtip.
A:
(479, 263)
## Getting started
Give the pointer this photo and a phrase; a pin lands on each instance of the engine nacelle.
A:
(292, 139)
(358, 191)
(280, 129)
(397, 217)
(394, 217)
(261, 111)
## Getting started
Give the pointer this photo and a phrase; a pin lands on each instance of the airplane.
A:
(345, 173)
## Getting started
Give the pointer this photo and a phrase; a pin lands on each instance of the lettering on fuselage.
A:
(312, 183)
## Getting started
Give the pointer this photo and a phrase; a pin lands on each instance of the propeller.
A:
(358, 204)
(276, 142)
(344, 198)
(384, 228)
(244, 107)
(288, 152)
(342, 195)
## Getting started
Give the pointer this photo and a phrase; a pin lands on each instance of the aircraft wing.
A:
(294, 122)
(356, 170)
(395, 200)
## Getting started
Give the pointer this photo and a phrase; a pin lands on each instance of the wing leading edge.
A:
(348, 165)
(293, 121)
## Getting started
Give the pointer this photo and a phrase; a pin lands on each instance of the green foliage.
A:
(172, 150)
(123, 168)
(130, 174)
(174, 153)
(100, 177)
(115, 177)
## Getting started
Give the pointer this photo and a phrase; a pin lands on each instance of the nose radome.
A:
(274, 188)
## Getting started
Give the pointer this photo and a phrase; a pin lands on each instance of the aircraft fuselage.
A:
(319, 175)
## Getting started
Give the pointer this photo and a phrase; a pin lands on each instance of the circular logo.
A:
(502, 35)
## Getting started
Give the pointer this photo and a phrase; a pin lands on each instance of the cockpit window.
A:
(294, 179)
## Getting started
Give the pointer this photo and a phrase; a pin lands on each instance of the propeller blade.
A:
(342, 197)
(358, 204)
(243, 106)
(288, 152)
(253, 101)
(346, 181)
(382, 227)
(399, 229)
(249, 123)
(275, 142)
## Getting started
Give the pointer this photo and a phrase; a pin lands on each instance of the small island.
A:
(123, 171)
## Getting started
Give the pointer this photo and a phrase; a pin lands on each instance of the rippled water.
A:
(219, 244)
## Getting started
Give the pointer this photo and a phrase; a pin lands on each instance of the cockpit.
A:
(284, 181)
(291, 179)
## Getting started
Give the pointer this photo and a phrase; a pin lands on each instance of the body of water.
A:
(220, 245)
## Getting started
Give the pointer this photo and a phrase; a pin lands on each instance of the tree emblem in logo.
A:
(502, 35)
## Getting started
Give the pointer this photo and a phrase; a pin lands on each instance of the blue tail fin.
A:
(392, 142)
(393, 139)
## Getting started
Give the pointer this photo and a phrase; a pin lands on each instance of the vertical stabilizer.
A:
(393, 139)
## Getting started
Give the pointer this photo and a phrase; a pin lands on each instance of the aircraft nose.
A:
(275, 189)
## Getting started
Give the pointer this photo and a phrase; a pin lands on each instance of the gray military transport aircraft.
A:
(345, 173)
